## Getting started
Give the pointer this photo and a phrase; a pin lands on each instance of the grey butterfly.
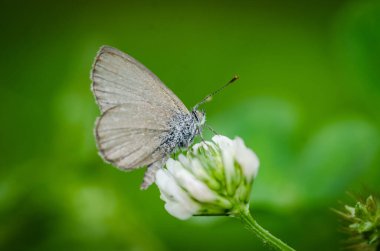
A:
(142, 121)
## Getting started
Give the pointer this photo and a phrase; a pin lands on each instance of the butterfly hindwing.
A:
(129, 140)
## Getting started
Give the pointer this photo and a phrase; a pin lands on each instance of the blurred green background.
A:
(307, 102)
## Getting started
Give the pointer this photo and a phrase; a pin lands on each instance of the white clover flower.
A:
(214, 178)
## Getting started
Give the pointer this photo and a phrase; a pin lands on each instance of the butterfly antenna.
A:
(208, 97)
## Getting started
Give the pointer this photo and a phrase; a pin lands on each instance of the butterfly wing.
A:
(130, 135)
(136, 110)
(118, 78)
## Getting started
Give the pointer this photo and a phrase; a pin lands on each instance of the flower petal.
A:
(247, 159)
(177, 210)
(177, 201)
(227, 149)
(196, 188)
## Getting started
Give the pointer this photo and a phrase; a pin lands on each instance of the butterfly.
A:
(142, 121)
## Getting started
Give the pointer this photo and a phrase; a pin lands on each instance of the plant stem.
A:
(245, 216)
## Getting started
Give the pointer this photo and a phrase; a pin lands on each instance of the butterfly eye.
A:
(200, 116)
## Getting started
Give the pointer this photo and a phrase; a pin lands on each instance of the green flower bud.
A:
(362, 223)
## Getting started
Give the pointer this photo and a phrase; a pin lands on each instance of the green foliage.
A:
(307, 103)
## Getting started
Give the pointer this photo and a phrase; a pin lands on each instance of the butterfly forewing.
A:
(118, 78)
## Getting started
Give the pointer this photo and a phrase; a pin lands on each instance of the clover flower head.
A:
(212, 178)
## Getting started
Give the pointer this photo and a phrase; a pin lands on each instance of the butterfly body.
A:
(183, 129)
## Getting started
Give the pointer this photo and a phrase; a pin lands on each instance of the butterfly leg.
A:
(201, 135)
(212, 130)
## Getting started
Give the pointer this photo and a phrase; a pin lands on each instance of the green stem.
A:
(245, 216)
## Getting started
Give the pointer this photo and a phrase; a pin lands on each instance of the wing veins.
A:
(124, 128)
(165, 90)
(124, 134)
(124, 87)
